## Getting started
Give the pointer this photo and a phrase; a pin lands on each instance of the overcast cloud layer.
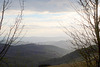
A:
(42, 17)
(46, 5)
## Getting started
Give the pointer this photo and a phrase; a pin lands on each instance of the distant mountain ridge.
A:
(65, 44)
(42, 39)
(74, 56)
(71, 57)
(32, 54)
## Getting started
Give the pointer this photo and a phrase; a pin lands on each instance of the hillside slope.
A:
(71, 58)
(32, 54)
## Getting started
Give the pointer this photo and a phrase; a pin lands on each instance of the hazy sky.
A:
(42, 17)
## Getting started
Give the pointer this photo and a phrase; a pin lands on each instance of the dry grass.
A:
(76, 64)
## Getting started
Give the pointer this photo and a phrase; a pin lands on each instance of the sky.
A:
(42, 18)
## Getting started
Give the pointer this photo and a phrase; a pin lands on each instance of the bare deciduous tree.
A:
(89, 34)
(14, 31)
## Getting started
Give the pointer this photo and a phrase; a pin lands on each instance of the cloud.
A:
(44, 5)
(48, 5)
(42, 17)
(45, 32)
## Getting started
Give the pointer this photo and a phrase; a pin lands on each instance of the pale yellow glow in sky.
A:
(44, 24)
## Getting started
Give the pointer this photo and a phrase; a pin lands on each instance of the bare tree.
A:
(14, 31)
(89, 34)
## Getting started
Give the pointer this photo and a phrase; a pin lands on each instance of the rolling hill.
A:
(68, 58)
(71, 58)
(30, 55)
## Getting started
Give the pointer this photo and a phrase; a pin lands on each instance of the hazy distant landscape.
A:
(43, 39)
(38, 52)
(32, 54)
(49, 33)
(62, 42)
